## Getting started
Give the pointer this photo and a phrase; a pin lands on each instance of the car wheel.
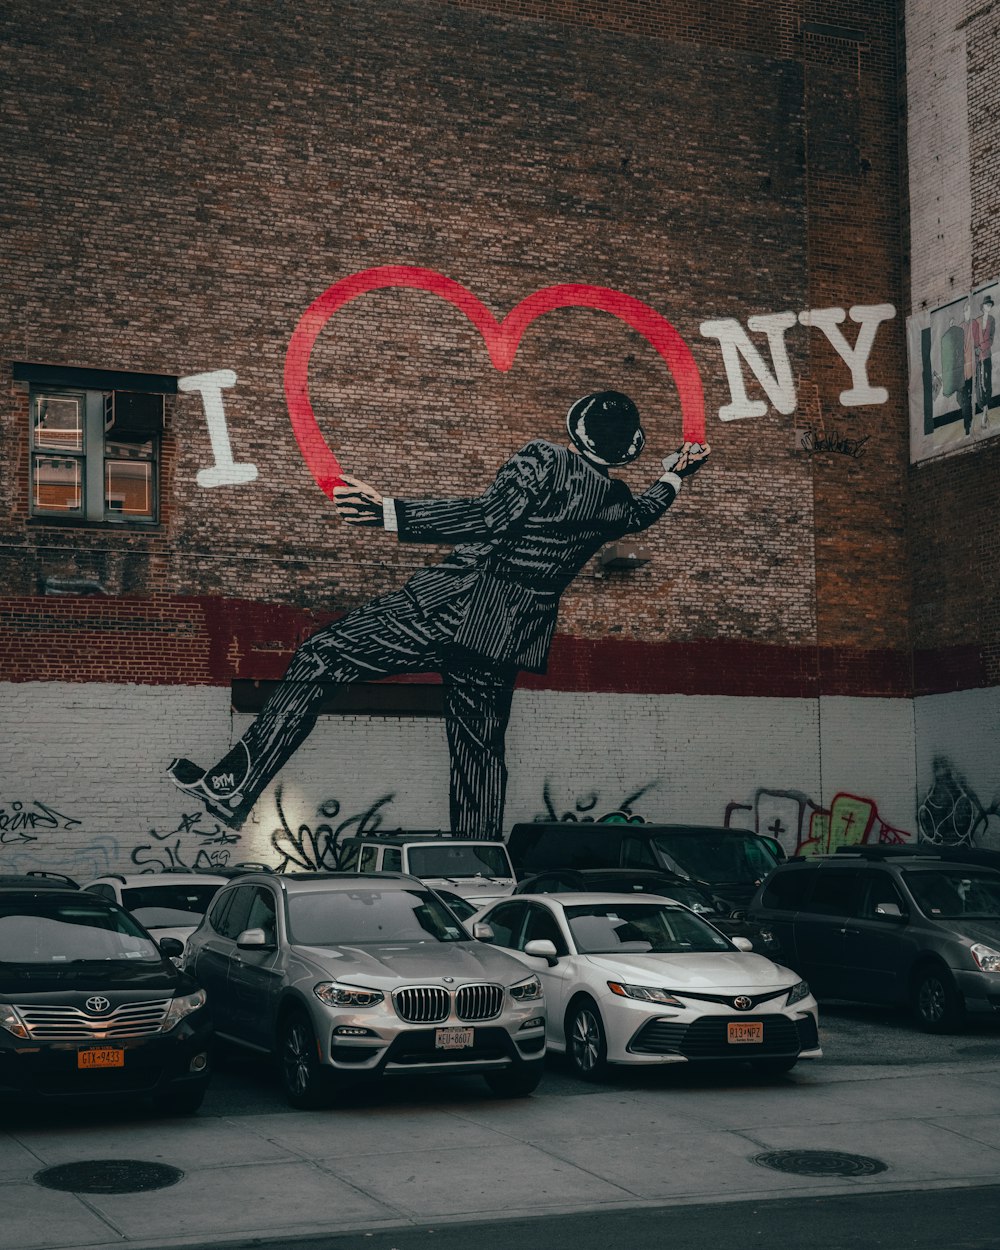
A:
(303, 1079)
(515, 1082)
(773, 1067)
(937, 1004)
(182, 1101)
(586, 1044)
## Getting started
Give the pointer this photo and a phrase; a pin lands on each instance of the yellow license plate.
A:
(101, 1057)
(747, 1031)
(453, 1039)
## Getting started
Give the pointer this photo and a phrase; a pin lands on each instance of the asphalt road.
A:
(951, 1219)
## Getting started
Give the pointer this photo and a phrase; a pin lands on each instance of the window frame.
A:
(92, 458)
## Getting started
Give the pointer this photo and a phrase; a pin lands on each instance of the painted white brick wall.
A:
(83, 788)
(956, 764)
(938, 150)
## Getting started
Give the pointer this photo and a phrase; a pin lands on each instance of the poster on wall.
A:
(951, 351)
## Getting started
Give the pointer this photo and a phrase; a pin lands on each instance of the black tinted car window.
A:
(836, 892)
(542, 926)
(231, 921)
(719, 858)
(262, 913)
(880, 888)
(786, 891)
(638, 853)
(505, 922)
(950, 893)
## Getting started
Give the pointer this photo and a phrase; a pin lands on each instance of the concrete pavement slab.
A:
(34, 1218)
(368, 1131)
(475, 1181)
(269, 1199)
(201, 1142)
(17, 1159)
(916, 1151)
(984, 1129)
(662, 1165)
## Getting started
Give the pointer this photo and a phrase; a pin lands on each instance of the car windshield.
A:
(57, 931)
(718, 857)
(623, 928)
(470, 859)
(949, 894)
(167, 906)
(360, 917)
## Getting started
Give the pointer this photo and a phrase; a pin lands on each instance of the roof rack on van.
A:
(54, 876)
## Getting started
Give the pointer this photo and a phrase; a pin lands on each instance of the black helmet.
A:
(605, 427)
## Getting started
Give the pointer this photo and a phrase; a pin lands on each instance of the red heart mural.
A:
(501, 339)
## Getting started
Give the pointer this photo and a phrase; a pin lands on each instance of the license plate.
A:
(747, 1031)
(453, 1039)
(101, 1057)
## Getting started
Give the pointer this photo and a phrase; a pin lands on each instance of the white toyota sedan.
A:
(647, 981)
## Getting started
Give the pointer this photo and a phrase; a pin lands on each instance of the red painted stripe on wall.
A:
(203, 641)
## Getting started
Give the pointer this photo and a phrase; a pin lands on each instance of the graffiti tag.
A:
(316, 849)
(20, 822)
(208, 851)
(586, 805)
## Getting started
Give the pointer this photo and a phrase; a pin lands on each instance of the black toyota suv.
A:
(90, 1005)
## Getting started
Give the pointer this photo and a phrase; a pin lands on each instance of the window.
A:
(392, 859)
(881, 889)
(94, 454)
(637, 853)
(787, 891)
(541, 926)
(94, 442)
(262, 914)
(836, 892)
(369, 859)
(506, 921)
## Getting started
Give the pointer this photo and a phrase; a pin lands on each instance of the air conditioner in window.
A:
(132, 416)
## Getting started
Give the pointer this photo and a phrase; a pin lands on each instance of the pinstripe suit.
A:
(478, 617)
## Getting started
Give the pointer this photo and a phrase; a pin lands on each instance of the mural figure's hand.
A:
(357, 502)
(687, 459)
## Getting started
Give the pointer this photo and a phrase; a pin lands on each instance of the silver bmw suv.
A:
(347, 977)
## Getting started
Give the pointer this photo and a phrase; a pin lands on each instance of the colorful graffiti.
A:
(804, 828)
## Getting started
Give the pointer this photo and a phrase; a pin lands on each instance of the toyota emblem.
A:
(742, 1003)
(97, 1004)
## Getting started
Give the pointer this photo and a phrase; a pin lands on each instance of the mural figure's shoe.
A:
(219, 788)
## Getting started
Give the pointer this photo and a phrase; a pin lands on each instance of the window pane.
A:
(128, 487)
(58, 483)
(59, 422)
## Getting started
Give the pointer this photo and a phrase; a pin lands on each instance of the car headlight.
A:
(11, 1021)
(986, 957)
(645, 993)
(529, 988)
(182, 1006)
(797, 993)
(336, 995)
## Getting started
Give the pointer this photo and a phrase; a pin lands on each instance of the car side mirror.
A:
(542, 948)
(742, 943)
(171, 947)
(254, 940)
(889, 911)
(483, 932)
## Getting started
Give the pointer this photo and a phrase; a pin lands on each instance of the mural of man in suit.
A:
(481, 615)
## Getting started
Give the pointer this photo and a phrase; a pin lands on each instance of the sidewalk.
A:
(465, 1156)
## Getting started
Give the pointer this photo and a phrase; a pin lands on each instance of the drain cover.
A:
(109, 1176)
(820, 1163)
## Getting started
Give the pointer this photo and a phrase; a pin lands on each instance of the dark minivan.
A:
(893, 926)
(730, 862)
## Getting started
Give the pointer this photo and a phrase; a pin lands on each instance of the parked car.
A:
(91, 1005)
(167, 904)
(664, 884)
(477, 869)
(730, 863)
(646, 981)
(920, 929)
(348, 977)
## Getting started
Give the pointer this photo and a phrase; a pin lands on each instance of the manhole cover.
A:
(109, 1176)
(820, 1163)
